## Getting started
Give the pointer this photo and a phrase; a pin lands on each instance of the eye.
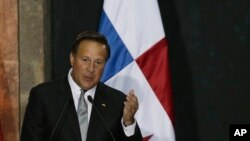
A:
(99, 62)
(85, 59)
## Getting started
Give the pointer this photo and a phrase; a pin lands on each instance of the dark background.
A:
(209, 42)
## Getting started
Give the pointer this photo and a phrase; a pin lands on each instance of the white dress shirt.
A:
(76, 92)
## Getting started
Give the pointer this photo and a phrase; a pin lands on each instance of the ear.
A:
(72, 59)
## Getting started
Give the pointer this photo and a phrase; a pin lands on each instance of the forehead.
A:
(90, 47)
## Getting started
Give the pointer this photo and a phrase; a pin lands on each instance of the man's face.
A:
(88, 63)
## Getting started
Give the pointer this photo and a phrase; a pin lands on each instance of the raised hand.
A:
(130, 108)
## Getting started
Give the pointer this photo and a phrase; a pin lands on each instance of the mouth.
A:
(88, 78)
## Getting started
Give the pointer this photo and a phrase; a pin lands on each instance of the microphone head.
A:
(90, 99)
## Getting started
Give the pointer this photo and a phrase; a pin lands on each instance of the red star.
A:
(147, 138)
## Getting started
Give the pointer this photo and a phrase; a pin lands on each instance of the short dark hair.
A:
(93, 36)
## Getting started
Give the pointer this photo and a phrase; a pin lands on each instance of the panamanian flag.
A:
(139, 61)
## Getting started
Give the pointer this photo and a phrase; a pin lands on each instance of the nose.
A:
(91, 67)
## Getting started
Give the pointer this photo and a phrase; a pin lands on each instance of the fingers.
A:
(130, 107)
(131, 101)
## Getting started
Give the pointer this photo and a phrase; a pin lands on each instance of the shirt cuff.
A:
(129, 130)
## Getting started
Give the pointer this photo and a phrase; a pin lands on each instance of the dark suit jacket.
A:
(52, 102)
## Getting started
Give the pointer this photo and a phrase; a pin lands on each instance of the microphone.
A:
(59, 119)
(91, 101)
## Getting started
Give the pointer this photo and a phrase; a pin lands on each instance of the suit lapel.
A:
(96, 127)
(71, 119)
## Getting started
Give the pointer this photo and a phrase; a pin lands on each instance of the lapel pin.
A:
(103, 105)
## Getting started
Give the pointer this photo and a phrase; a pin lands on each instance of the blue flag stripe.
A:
(120, 56)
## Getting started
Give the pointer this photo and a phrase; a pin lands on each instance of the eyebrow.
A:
(93, 59)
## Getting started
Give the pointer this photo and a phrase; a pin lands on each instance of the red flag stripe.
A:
(154, 65)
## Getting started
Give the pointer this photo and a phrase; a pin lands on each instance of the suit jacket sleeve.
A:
(137, 135)
(112, 114)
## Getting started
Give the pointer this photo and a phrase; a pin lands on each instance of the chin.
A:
(88, 86)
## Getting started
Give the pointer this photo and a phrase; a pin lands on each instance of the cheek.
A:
(79, 65)
(99, 72)
(78, 71)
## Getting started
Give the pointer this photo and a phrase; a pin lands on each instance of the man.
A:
(53, 109)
